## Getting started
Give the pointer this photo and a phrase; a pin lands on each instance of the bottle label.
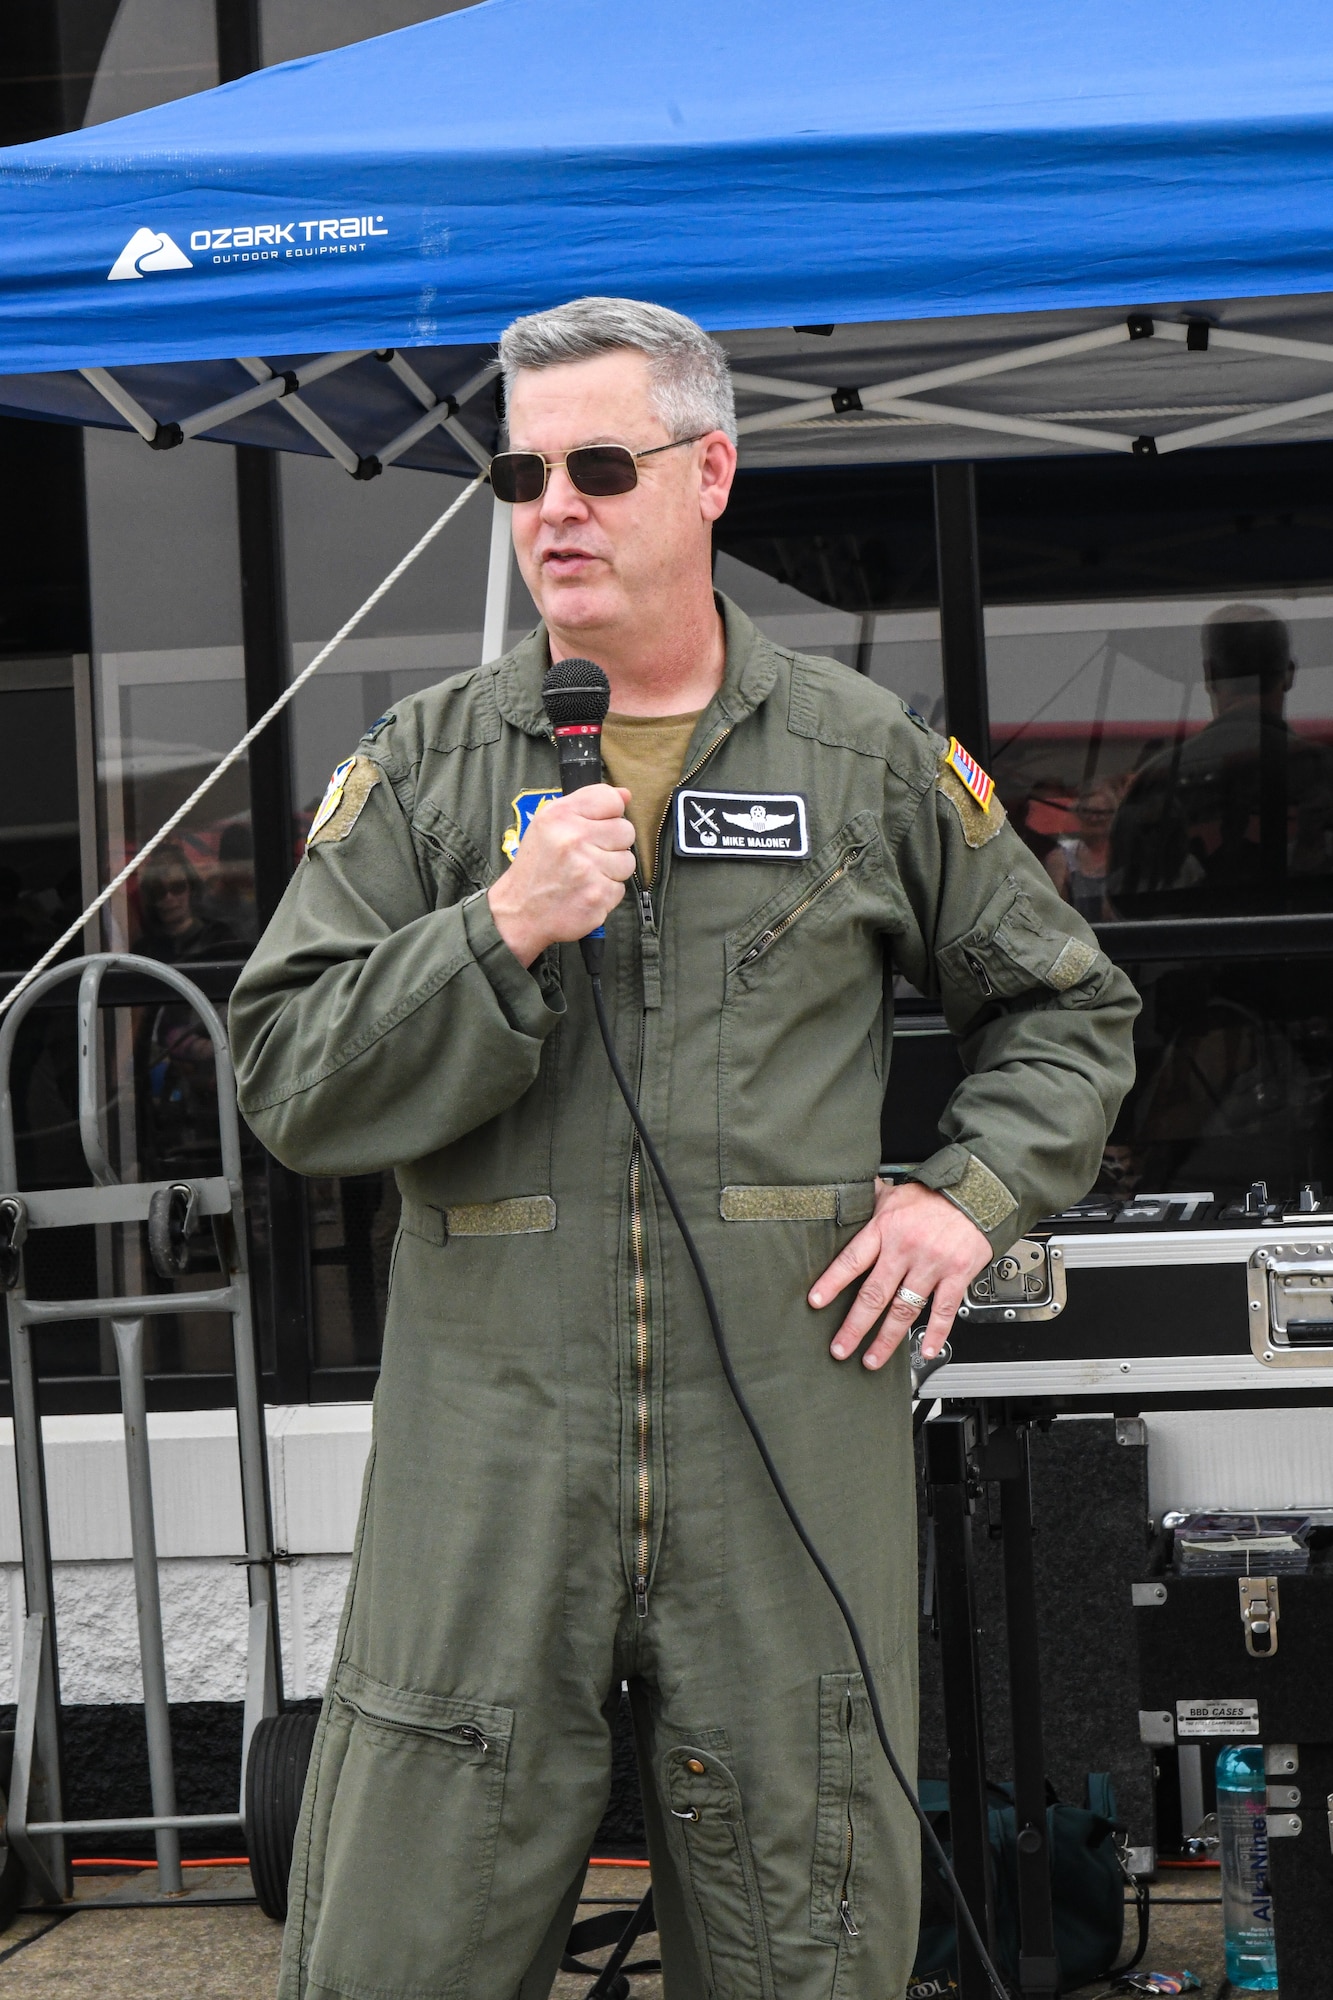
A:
(1218, 1718)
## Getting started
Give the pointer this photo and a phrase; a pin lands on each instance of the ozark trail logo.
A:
(149, 250)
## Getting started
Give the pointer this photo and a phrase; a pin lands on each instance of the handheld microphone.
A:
(576, 695)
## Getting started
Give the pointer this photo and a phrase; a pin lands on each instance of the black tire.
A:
(274, 1781)
(11, 1869)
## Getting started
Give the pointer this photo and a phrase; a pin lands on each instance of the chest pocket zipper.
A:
(766, 939)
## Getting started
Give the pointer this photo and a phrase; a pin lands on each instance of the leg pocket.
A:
(403, 1839)
(844, 1747)
(712, 1846)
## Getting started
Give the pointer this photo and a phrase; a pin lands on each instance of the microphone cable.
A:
(738, 1396)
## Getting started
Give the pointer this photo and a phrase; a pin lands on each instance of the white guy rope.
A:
(239, 750)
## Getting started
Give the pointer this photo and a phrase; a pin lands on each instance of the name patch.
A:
(742, 826)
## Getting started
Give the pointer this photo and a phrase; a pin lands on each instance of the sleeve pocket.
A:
(1011, 949)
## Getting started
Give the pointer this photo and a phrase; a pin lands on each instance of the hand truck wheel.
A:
(11, 1869)
(274, 1781)
(172, 1215)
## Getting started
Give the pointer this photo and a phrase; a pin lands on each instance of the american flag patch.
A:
(967, 768)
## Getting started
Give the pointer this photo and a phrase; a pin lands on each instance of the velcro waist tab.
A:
(831, 1201)
(520, 1215)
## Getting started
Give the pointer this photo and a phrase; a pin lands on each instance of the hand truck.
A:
(37, 1828)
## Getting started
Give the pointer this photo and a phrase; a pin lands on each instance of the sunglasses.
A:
(598, 471)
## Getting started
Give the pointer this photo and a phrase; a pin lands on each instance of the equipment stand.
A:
(964, 1447)
(952, 1486)
(1038, 1973)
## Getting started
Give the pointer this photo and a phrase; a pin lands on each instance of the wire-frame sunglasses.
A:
(599, 471)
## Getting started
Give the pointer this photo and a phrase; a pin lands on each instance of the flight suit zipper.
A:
(650, 948)
(768, 938)
(643, 1411)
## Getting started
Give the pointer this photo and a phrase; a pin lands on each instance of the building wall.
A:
(316, 1461)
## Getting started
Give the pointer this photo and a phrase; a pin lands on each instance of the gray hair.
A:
(689, 373)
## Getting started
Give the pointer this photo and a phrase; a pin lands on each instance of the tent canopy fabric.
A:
(752, 162)
(948, 181)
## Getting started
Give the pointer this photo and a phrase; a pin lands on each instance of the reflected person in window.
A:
(177, 922)
(1238, 817)
(1078, 862)
(179, 927)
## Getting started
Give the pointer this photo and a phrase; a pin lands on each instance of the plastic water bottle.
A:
(1247, 1900)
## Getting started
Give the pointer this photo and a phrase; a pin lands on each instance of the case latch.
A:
(1027, 1283)
(1258, 1614)
(1291, 1304)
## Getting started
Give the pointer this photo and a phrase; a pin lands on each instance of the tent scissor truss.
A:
(283, 386)
(903, 397)
(794, 402)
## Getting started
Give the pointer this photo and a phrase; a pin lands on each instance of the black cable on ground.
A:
(965, 1917)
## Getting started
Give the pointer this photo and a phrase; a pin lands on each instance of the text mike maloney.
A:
(576, 695)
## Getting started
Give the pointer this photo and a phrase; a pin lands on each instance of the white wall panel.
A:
(1240, 1458)
(317, 1458)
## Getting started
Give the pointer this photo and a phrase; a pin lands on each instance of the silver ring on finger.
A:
(910, 1298)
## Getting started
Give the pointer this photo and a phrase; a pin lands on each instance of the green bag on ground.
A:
(1087, 1887)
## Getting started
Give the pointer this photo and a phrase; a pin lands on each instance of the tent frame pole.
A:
(499, 570)
(962, 620)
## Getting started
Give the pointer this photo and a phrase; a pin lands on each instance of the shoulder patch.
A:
(340, 808)
(966, 767)
(525, 809)
(979, 824)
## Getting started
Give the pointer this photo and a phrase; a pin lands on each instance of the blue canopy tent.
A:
(761, 164)
(922, 232)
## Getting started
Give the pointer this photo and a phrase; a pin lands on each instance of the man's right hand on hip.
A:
(568, 873)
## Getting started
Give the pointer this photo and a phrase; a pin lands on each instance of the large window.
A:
(1170, 758)
(842, 564)
(169, 676)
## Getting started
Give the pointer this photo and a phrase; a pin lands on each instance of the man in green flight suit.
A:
(561, 1495)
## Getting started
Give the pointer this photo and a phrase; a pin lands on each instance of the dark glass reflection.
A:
(1170, 767)
(1239, 816)
(352, 1227)
(1235, 1077)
